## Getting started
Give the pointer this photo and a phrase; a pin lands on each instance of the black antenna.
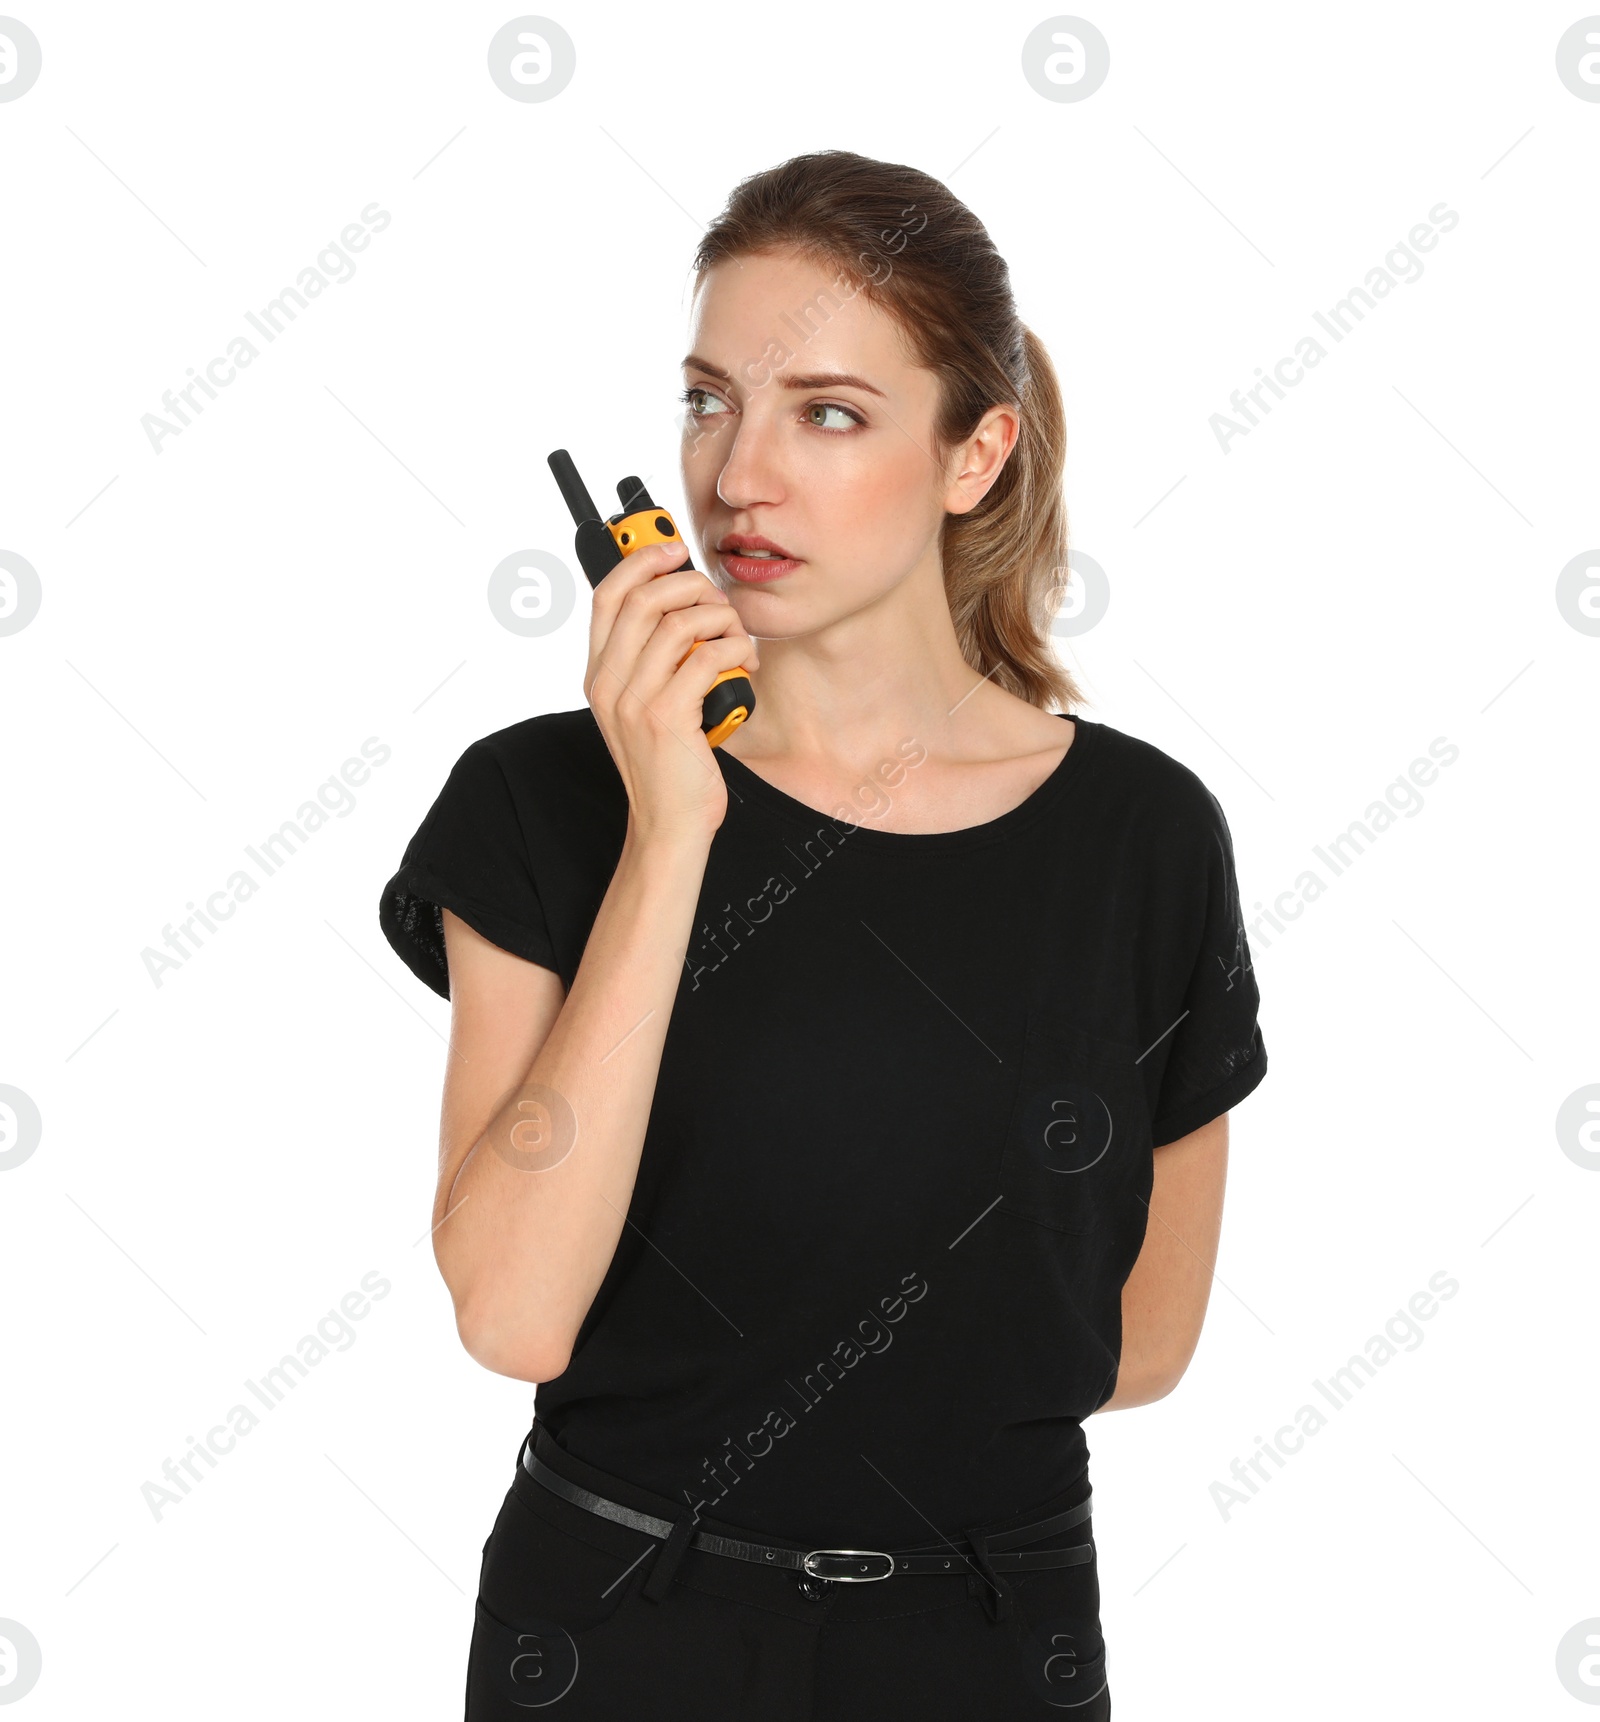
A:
(597, 549)
(573, 490)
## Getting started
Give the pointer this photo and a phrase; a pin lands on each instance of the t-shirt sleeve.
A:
(471, 855)
(1216, 1054)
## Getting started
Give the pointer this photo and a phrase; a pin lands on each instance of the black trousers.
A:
(563, 1627)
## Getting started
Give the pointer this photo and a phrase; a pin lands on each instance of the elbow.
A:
(493, 1337)
(1145, 1382)
(522, 1357)
(1171, 1371)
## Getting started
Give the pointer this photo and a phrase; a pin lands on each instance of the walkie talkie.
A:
(601, 545)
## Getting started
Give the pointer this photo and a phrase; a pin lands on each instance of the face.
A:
(807, 423)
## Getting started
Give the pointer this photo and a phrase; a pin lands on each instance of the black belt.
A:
(852, 1566)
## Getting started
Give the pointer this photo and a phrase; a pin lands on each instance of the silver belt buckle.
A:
(850, 1564)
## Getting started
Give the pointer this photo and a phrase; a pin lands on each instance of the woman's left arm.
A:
(1164, 1300)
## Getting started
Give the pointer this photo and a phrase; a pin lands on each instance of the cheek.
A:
(864, 500)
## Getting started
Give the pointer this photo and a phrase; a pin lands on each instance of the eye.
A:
(833, 407)
(689, 396)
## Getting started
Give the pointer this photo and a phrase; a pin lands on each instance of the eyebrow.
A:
(816, 380)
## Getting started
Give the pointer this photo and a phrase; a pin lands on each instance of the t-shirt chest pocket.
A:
(1078, 1133)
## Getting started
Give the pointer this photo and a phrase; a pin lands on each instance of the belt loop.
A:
(997, 1594)
(667, 1558)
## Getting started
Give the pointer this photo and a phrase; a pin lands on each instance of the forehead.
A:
(790, 314)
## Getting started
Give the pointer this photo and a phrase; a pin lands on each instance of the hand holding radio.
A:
(667, 676)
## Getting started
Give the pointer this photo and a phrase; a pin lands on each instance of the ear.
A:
(979, 460)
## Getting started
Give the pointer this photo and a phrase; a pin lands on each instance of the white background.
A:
(225, 1155)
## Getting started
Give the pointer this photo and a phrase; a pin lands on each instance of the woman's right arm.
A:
(546, 1098)
(524, 1251)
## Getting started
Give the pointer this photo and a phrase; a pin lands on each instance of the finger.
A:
(675, 637)
(697, 675)
(632, 572)
(647, 602)
(733, 629)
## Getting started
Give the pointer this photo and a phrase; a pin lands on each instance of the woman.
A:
(803, 1095)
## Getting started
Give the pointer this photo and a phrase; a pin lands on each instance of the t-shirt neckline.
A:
(867, 837)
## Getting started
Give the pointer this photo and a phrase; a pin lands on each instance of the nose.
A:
(751, 474)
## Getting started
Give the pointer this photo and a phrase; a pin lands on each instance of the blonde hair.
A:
(937, 272)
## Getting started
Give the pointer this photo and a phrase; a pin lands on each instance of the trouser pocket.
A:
(1062, 1650)
(553, 1607)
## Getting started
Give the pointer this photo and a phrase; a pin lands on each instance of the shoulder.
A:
(567, 741)
(1165, 798)
(554, 777)
(553, 759)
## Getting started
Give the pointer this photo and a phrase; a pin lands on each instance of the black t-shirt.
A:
(899, 1155)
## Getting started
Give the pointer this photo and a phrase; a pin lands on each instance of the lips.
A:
(745, 543)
